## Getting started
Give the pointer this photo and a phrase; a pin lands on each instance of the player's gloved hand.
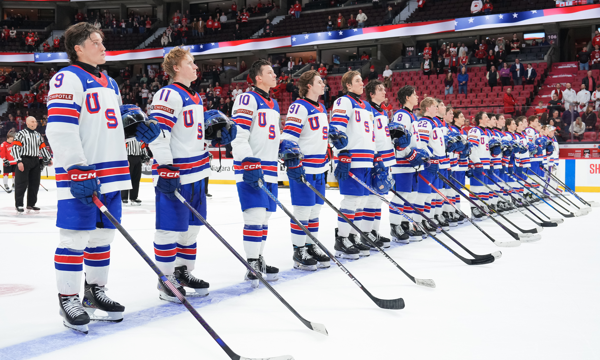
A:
(511, 170)
(338, 138)
(434, 166)
(168, 180)
(495, 147)
(378, 166)
(417, 157)
(490, 173)
(343, 166)
(478, 171)
(504, 170)
(147, 131)
(83, 182)
(451, 144)
(295, 170)
(469, 173)
(145, 159)
(400, 137)
(252, 172)
(549, 148)
(381, 182)
(228, 134)
(519, 171)
(532, 148)
(6, 162)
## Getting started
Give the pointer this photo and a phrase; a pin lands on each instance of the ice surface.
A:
(539, 301)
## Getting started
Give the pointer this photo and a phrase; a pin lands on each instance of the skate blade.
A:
(386, 245)
(299, 266)
(417, 239)
(324, 264)
(401, 241)
(168, 298)
(114, 316)
(136, 204)
(200, 292)
(365, 253)
(272, 277)
(453, 224)
(343, 255)
(79, 328)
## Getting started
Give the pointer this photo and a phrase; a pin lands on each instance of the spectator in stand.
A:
(237, 91)
(589, 118)
(569, 116)
(463, 81)
(29, 99)
(326, 94)
(421, 3)
(490, 60)
(493, 77)
(515, 45)
(148, 24)
(488, 7)
(387, 77)
(361, 18)
(540, 109)
(555, 104)
(577, 129)
(554, 118)
(558, 92)
(243, 66)
(18, 100)
(364, 56)
(453, 62)
(449, 84)
(389, 15)
(584, 59)
(223, 18)
(297, 9)
(596, 39)
(463, 61)
(427, 51)
(291, 63)
(200, 26)
(10, 100)
(245, 17)
(583, 98)
(595, 58)
(195, 28)
(596, 98)
(373, 75)
(439, 65)
(216, 27)
(476, 6)
(209, 25)
(352, 23)
(463, 50)
(510, 103)
(517, 72)
(322, 71)
(311, 60)
(530, 75)
(341, 21)
(329, 23)
(129, 26)
(164, 40)
(427, 66)
(237, 33)
(56, 43)
(589, 81)
(569, 97)
(268, 30)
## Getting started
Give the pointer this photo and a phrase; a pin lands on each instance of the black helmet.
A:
(132, 116)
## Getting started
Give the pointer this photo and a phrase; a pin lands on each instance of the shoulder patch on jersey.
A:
(339, 111)
(243, 111)
(289, 118)
(60, 97)
(163, 108)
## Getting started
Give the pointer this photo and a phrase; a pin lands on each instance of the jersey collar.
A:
(356, 98)
(194, 97)
(317, 106)
(102, 80)
(269, 102)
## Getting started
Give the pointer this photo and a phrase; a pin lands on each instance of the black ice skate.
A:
(303, 260)
(427, 226)
(385, 241)
(125, 202)
(95, 298)
(20, 210)
(442, 222)
(254, 264)
(188, 280)
(74, 316)
(450, 218)
(136, 202)
(399, 235)
(413, 235)
(476, 214)
(164, 293)
(344, 248)
(365, 250)
(271, 272)
(33, 208)
(315, 251)
(459, 217)
(374, 241)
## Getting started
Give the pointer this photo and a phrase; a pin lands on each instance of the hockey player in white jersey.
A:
(495, 148)
(181, 163)
(306, 127)
(375, 91)
(409, 160)
(461, 150)
(87, 136)
(255, 155)
(480, 157)
(351, 132)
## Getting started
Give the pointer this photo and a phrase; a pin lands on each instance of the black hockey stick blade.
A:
(549, 224)
(394, 304)
(320, 328)
(482, 260)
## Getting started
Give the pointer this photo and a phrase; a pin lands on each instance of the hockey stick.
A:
(558, 195)
(522, 237)
(528, 187)
(424, 282)
(528, 231)
(478, 259)
(167, 283)
(394, 304)
(320, 328)
(561, 183)
(43, 187)
(4, 189)
(543, 222)
(498, 243)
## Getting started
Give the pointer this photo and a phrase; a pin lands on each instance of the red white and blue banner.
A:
(120, 55)
(376, 32)
(235, 46)
(523, 18)
(16, 58)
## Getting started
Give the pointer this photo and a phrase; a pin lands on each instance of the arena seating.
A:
(438, 9)
(25, 24)
(19, 45)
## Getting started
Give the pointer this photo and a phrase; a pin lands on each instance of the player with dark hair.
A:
(480, 157)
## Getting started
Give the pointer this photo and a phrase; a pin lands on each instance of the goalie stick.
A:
(424, 282)
(394, 304)
(232, 355)
(478, 259)
(320, 328)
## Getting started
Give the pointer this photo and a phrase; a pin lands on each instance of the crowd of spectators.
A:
(27, 40)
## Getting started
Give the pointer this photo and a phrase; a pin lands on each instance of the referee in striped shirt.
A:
(137, 153)
(27, 148)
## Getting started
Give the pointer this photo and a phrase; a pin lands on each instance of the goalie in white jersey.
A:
(306, 128)
(87, 136)
(181, 163)
(255, 155)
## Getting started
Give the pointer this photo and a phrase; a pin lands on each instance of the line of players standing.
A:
(367, 145)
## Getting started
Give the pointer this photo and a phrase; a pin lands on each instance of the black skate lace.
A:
(72, 306)
(100, 295)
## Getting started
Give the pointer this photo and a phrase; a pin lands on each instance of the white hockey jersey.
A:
(532, 135)
(409, 120)
(480, 151)
(85, 128)
(444, 160)
(258, 133)
(522, 160)
(431, 138)
(307, 125)
(355, 118)
(383, 142)
(181, 142)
